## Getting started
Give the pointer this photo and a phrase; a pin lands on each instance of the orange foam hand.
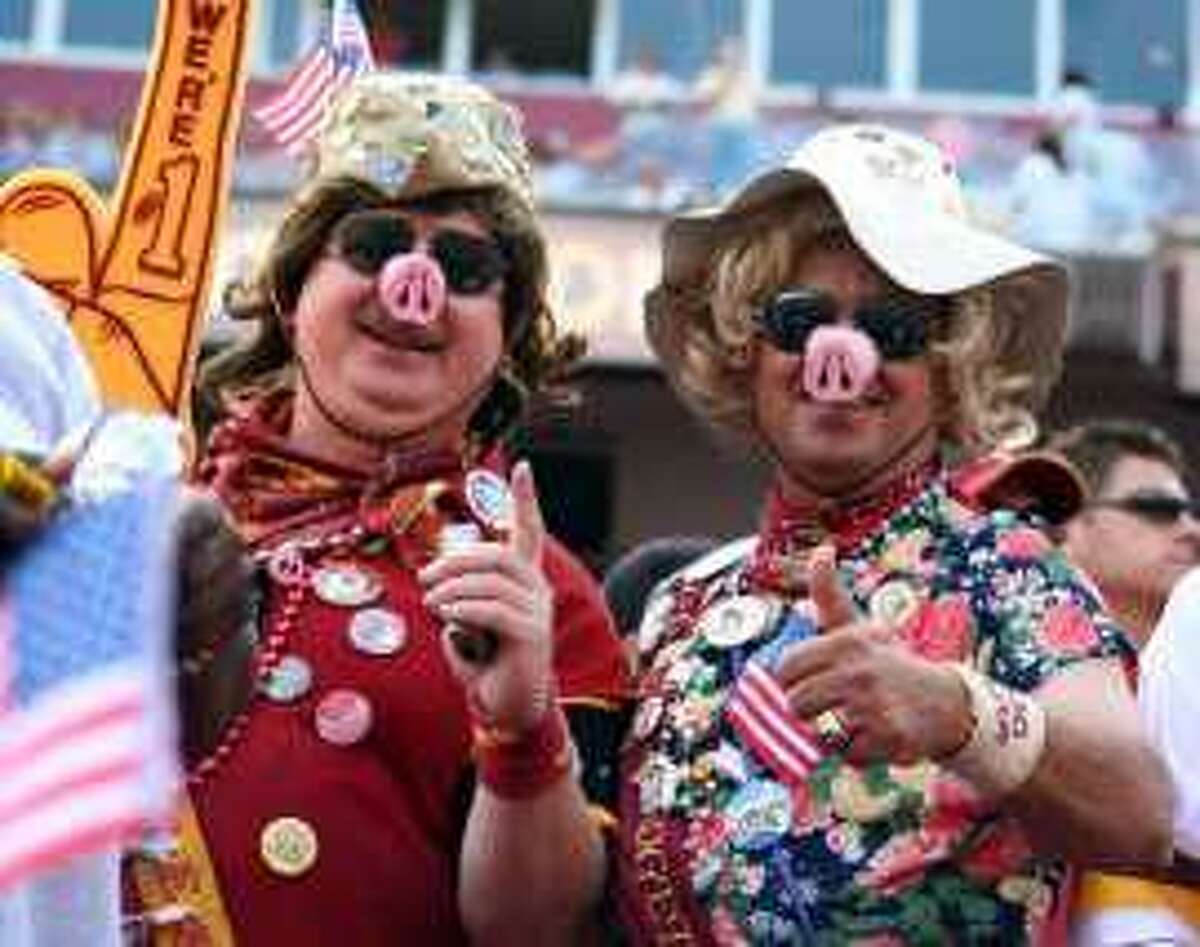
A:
(133, 277)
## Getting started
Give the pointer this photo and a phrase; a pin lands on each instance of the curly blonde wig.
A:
(982, 401)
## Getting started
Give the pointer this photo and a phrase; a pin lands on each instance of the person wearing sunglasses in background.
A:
(407, 770)
(1138, 531)
(881, 719)
(1136, 535)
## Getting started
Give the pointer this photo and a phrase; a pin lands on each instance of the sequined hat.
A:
(904, 206)
(413, 134)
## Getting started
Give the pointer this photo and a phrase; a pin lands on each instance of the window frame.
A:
(899, 93)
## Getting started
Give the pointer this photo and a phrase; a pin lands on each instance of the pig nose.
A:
(412, 288)
(839, 363)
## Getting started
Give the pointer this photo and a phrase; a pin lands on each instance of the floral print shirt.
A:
(721, 844)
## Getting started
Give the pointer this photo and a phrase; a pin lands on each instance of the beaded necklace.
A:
(288, 564)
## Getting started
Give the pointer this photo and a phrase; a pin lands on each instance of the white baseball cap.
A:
(904, 207)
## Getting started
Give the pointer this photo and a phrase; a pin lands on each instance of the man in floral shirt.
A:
(889, 716)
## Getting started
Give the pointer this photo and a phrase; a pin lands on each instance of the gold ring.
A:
(832, 729)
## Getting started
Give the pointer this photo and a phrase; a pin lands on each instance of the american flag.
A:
(87, 737)
(758, 709)
(343, 52)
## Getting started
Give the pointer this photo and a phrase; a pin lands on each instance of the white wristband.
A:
(1007, 740)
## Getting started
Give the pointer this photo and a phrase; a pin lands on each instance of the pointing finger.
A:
(529, 530)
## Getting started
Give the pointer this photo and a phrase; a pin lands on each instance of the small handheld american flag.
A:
(87, 733)
(342, 52)
(759, 711)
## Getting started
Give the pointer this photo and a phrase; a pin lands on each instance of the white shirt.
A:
(1169, 697)
(1169, 700)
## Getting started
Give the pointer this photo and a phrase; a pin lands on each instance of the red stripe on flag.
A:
(72, 765)
(43, 733)
(31, 798)
(308, 124)
(110, 832)
(311, 74)
(296, 114)
(759, 711)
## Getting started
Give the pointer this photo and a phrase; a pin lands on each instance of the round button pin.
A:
(288, 846)
(346, 585)
(377, 631)
(648, 716)
(343, 717)
(489, 498)
(286, 566)
(760, 812)
(735, 621)
(289, 680)
(894, 603)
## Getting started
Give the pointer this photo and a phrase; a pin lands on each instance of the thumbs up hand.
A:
(867, 694)
(834, 606)
(499, 586)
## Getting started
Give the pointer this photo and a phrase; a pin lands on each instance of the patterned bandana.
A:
(273, 488)
(789, 531)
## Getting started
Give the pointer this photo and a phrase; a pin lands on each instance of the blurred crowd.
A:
(31, 137)
(1061, 180)
(34, 137)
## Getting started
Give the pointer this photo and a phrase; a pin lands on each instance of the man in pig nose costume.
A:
(427, 753)
(883, 719)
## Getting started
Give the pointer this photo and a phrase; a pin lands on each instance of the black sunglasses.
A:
(367, 239)
(1161, 509)
(898, 325)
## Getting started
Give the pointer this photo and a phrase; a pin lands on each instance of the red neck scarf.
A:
(271, 488)
(789, 530)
